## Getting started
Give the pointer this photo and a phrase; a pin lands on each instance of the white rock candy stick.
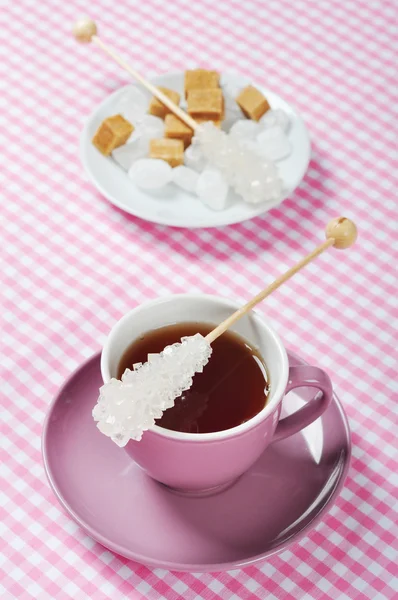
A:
(126, 408)
(253, 177)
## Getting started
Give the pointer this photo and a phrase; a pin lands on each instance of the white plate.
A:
(176, 207)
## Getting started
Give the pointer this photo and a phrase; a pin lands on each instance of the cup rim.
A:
(277, 394)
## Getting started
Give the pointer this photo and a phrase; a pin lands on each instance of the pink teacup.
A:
(203, 463)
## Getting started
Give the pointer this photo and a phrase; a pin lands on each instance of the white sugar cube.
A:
(273, 143)
(212, 189)
(126, 155)
(231, 88)
(150, 173)
(275, 118)
(151, 127)
(185, 178)
(133, 104)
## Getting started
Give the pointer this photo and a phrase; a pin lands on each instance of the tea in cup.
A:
(221, 426)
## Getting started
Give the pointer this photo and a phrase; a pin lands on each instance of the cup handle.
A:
(305, 376)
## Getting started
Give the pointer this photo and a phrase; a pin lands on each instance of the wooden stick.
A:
(341, 233)
(181, 114)
(85, 30)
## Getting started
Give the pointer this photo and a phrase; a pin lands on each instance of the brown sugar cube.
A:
(160, 110)
(222, 116)
(176, 129)
(205, 103)
(112, 133)
(252, 103)
(216, 122)
(171, 151)
(200, 79)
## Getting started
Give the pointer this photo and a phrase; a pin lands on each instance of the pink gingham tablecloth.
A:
(72, 264)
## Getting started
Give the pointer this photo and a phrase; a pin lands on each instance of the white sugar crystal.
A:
(126, 155)
(249, 145)
(151, 127)
(253, 177)
(150, 173)
(185, 178)
(127, 408)
(275, 117)
(244, 129)
(193, 157)
(259, 182)
(274, 143)
(133, 104)
(212, 189)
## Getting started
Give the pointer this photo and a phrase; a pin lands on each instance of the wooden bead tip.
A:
(84, 29)
(343, 231)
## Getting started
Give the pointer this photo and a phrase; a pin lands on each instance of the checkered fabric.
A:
(72, 264)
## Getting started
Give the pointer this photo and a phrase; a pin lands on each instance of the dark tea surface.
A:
(231, 390)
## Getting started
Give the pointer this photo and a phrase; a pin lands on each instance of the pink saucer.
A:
(284, 494)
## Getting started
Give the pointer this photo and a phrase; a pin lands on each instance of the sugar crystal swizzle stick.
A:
(253, 177)
(127, 408)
